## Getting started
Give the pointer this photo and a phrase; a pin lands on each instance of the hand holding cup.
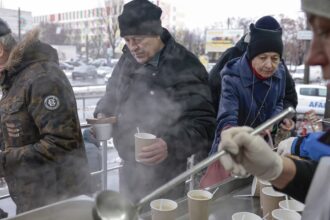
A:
(150, 150)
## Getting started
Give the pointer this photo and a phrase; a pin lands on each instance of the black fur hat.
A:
(140, 17)
(266, 36)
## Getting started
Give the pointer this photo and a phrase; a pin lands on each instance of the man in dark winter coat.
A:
(162, 88)
(290, 98)
(43, 158)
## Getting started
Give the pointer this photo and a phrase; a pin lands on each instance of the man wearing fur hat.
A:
(43, 158)
(161, 88)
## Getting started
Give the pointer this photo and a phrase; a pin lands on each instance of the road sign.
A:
(304, 35)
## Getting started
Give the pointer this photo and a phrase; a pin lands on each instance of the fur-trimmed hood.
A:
(28, 51)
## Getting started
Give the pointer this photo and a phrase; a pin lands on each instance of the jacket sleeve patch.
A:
(51, 102)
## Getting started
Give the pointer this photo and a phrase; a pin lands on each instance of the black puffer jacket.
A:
(172, 101)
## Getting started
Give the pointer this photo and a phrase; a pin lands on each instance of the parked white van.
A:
(311, 97)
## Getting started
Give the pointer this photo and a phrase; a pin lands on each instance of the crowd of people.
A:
(161, 88)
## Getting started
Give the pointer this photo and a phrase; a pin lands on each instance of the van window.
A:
(322, 92)
(308, 91)
(313, 92)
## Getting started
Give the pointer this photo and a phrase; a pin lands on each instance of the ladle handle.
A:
(289, 112)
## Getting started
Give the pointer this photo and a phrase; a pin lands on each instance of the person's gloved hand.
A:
(285, 146)
(249, 154)
(287, 124)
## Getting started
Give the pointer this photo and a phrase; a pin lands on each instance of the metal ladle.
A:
(110, 205)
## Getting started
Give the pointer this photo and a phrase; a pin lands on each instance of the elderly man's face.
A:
(319, 52)
(143, 48)
(266, 63)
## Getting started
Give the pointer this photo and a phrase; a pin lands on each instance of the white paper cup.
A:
(257, 186)
(262, 184)
(163, 209)
(270, 200)
(245, 216)
(103, 131)
(142, 140)
(285, 214)
(293, 204)
(198, 204)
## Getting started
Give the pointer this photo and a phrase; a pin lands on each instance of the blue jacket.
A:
(310, 147)
(245, 99)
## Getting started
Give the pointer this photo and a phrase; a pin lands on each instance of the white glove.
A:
(249, 154)
(284, 147)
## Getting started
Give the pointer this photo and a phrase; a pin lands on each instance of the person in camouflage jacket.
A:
(43, 158)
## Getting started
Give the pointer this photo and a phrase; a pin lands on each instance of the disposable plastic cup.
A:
(142, 140)
(245, 216)
(163, 209)
(103, 131)
(270, 201)
(285, 214)
(262, 184)
(198, 204)
(292, 204)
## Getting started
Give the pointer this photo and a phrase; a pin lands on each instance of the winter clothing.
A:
(265, 36)
(310, 147)
(320, 7)
(140, 17)
(290, 97)
(237, 98)
(301, 182)
(245, 99)
(170, 99)
(43, 158)
(267, 22)
(284, 147)
(214, 77)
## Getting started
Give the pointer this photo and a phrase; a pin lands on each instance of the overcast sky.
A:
(197, 15)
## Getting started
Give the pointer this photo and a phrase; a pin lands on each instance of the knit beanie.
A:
(265, 36)
(140, 17)
(317, 7)
(4, 29)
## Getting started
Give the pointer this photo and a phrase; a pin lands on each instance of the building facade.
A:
(11, 17)
(90, 26)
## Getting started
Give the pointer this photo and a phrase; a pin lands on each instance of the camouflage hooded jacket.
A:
(43, 157)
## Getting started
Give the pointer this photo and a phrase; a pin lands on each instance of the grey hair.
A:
(8, 42)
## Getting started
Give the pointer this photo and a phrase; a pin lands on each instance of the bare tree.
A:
(110, 17)
(293, 48)
(244, 23)
(193, 40)
(98, 48)
(53, 34)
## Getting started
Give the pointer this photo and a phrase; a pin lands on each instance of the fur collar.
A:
(16, 55)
